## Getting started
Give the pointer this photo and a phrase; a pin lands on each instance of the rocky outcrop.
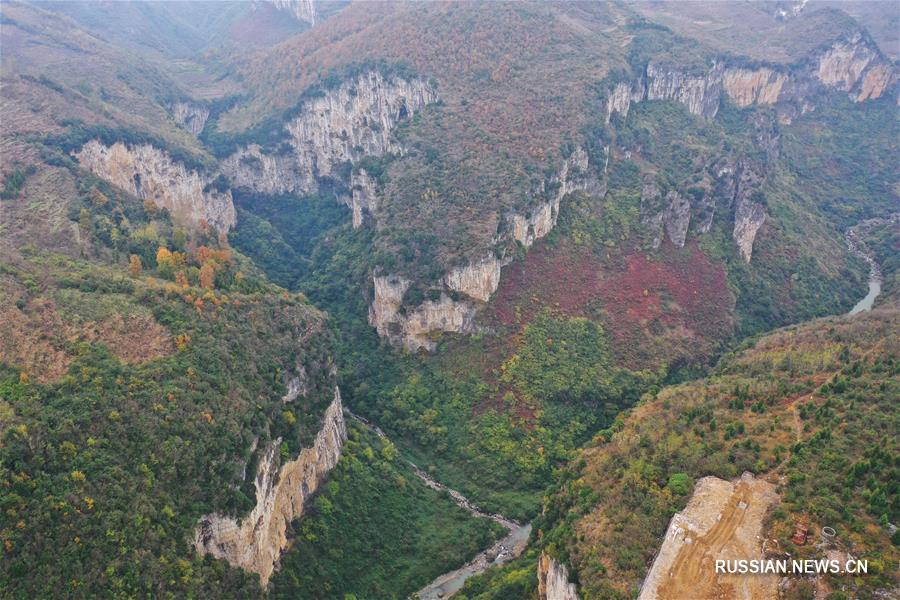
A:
(746, 87)
(748, 218)
(190, 116)
(700, 92)
(303, 10)
(151, 174)
(364, 197)
(411, 328)
(297, 385)
(573, 175)
(852, 64)
(553, 580)
(255, 542)
(269, 174)
(749, 212)
(841, 66)
(477, 280)
(729, 185)
(670, 215)
(341, 125)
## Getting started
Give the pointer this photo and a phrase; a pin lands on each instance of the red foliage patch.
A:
(656, 308)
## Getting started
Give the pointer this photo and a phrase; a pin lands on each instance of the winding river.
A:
(505, 549)
(859, 247)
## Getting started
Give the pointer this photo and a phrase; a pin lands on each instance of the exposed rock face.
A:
(364, 198)
(573, 175)
(700, 93)
(553, 580)
(621, 97)
(269, 174)
(412, 328)
(476, 280)
(671, 215)
(297, 385)
(853, 64)
(342, 125)
(748, 218)
(303, 10)
(735, 186)
(842, 65)
(190, 116)
(150, 174)
(256, 542)
(746, 87)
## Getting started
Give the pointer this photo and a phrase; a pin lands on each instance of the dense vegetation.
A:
(376, 531)
(107, 469)
(811, 407)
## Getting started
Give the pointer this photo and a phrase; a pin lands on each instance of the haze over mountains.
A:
(277, 275)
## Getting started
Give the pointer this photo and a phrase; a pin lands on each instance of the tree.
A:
(165, 262)
(181, 279)
(134, 265)
(98, 197)
(207, 275)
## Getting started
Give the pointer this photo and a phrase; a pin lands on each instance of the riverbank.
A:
(505, 549)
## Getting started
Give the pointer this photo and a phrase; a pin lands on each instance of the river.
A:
(859, 247)
(505, 549)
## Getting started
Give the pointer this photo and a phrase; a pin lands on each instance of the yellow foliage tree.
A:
(207, 275)
(98, 197)
(134, 265)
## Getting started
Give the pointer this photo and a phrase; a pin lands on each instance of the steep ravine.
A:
(505, 549)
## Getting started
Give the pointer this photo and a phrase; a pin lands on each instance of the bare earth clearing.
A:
(723, 520)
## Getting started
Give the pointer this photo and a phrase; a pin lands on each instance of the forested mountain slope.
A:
(503, 231)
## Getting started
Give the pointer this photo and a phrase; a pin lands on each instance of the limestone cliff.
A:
(553, 580)
(412, 327)
(255, 542)
(670, 215)
(746, 87)
(190, 116)
(151, 174)
(302, 10)
(573, 175)
(852, 64)
(364, 197)
(700, 92)
(341, 125)
(477, 280)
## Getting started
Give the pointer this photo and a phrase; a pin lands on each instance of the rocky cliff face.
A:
(190, 116)
(150, 174)
(746, 87)
(670, 215)
(303, 10)
(853, 64)
(733, 186)
(342, 125)
(700, 93)
(255, 542)
(364, 197)
(573, 175)
(477, 280)
(553, 580)
(412, 327)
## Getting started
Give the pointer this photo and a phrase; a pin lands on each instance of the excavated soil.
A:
(723, 520)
